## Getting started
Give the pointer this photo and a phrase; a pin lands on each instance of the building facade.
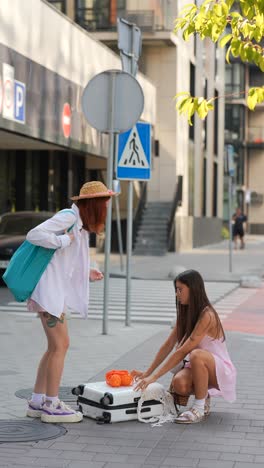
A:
(195, 153)
(47, 148)
(245, 133)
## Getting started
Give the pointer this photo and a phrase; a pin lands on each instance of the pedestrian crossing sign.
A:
(134, 153)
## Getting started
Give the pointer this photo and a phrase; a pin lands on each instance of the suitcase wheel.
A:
(104, 419)
(78, 390)
(100, 420)
(107, 399)
(81, 408)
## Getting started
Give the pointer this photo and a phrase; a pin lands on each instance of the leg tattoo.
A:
(52, 320)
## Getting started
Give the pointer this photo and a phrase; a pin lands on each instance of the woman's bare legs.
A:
(199, 378)
(50, 372)
(52, 363)
(182, 382)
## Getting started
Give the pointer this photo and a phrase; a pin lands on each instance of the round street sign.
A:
(66, 120)
(8, 94)
(113, 93)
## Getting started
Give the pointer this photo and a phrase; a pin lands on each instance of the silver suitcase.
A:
(108, 404)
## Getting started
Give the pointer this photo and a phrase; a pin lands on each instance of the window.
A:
(216, 109)
(234, 123)
(239, 159)
(235, 80)
(205, 120)
(99, 14)
(204, 186)
(192, 91)
(215, 189)
(59, 4)
(255, 77)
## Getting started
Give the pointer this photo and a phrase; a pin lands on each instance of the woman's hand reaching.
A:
(70, 234)
(95, 275)
(138, 375)
(144, 382)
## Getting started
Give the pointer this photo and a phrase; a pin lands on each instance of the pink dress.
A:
(225, 370)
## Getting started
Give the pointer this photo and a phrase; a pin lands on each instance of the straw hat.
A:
(94, 189)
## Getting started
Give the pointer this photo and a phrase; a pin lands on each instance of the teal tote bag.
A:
(26, 268)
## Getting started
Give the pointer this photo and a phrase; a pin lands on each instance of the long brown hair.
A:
(189, 315)
(93, 213)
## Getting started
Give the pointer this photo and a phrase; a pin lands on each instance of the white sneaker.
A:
(59, 412)
(34, 410)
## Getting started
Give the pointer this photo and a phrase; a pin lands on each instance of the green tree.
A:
(238, 26)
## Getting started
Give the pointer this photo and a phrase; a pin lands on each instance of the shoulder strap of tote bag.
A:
(71, 211)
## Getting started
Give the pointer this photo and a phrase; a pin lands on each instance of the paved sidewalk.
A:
(211, 261)
(152, 301)
(232, 437)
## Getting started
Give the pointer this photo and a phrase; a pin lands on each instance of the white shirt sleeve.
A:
(51, 233)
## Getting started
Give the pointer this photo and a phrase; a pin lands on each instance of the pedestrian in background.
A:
(65, 282)
(203, 365)
(238, 227)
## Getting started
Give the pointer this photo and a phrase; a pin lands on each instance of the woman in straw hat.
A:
(65, 282)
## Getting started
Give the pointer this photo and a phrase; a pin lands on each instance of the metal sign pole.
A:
(109, 210)
(119, 232)
(230, 222)
(129, 249)
(129, 221)
(112, 102)
(117, 207)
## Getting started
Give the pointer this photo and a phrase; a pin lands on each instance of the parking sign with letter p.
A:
(20, 101)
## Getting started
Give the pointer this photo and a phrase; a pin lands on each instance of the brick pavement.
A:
(247, 316)
(232, 437)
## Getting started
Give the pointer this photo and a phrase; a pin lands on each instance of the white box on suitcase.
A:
(113, 404)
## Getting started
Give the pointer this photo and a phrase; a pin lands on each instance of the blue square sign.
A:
(134, 153)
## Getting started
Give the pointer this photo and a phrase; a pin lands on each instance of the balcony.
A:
(255, 137)
(149, 20)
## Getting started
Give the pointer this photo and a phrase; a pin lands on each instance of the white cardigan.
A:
(65, 282)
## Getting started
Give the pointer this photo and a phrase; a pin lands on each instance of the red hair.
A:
(93, 213)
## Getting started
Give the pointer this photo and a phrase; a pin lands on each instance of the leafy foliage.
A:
(241, 31)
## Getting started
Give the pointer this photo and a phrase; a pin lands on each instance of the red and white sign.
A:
(66, 120)
(8, 91)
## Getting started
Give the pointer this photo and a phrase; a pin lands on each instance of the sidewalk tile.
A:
(179, 462)
(76, 456)
(129, 443)
(216, 464)
(67, 446)
(127, 465)
(88, 464)
(154, 461)
(237, 457)
(114, 458)
(131, 451)
(100, 448)
(25, 461)
(41, 453)
(248, 465)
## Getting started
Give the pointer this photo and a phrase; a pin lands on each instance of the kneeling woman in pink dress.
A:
(199, 341)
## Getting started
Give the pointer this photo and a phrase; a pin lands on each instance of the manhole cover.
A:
(65, 394)
(26, 431)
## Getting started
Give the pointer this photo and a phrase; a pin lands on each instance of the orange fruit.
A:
(114, 380)
(126, 379)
